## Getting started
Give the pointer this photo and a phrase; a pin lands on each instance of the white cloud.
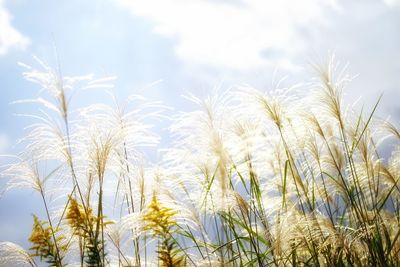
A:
(10, 38)
(392, 3)
(234, 34)
(255, 36)
(4, 143)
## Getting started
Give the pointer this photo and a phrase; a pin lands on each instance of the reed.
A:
(287, 177)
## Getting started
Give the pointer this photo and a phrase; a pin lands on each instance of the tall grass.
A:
(283, 178)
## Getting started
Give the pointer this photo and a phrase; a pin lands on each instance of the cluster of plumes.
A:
(284, 177)
(88, 166)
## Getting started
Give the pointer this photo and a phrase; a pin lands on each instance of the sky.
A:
(190, 46)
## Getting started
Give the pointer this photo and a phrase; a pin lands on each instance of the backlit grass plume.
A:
(14, 255)
(287, 177)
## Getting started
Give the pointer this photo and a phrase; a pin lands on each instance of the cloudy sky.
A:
(191, 45)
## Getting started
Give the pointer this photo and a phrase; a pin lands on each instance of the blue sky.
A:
(191, 45)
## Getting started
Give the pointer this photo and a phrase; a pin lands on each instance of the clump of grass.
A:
(277, 178)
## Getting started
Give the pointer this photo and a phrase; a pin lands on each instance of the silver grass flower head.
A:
(24, 174)
(14, 255)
